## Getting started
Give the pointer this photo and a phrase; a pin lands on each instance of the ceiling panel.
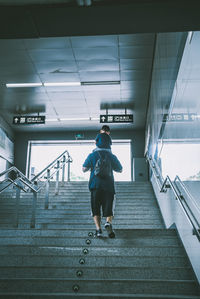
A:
(38, 55)
(124, 58)
(94, 41)
(69, 96)
(98, 65)
(12, 56)
(136, 52)
(96, 53)
(132, 75)
(47, 43)
(57, 77)
(136, 39)
(56, 67)
(14, 44)
(136, 64)
(99, 76)
(17, 69)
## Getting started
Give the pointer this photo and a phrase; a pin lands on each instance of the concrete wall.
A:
(6, 145)
(137, 137)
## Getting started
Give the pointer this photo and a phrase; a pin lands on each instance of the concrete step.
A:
(94, 296)
(74, 223)
(139, 263)
(124, 233)
(20, 250)
(63, 241)
(90, 261)
(127, 286)
(118, 211)
(174, 273)
(80, 226)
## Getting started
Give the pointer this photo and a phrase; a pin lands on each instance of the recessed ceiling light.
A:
(23, 84)
(61, 83)
(74, 118)
(49, 84)
(51, 119)
(100, 83)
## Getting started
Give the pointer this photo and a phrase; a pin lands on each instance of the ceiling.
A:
(126, 58)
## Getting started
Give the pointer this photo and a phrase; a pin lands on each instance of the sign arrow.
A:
(103, 118)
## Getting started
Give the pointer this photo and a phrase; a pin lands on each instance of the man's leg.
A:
(109, 219)
(95, 207)
(97, 221)
(108, 210)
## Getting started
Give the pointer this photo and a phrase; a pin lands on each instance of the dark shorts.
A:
(104, 199)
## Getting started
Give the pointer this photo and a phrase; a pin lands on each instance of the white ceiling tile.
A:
(130, 75)
(60, 77)
(136, 52)
(94, 41)
(56, 67)
(101, 88)
(12, 56)
(99, 76)
(14, 44)
(44, 55)
(47, 43)
(17, 69)
(98, 65)
(69, 96)
(136, 64)
(96, 53)
(136, 39)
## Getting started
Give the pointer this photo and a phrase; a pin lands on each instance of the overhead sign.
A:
(117, 118)
(28, 120)
(176, 117)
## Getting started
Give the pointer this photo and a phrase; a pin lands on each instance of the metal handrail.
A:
(23, 183)
(5, 159)
(51, 165)
(187, 192)
(163, 188)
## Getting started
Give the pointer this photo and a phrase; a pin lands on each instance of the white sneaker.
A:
(108, 227)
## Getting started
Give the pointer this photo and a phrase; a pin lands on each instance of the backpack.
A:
(103, 168)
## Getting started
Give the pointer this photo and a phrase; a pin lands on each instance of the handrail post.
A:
(18, 191)
(33, 209)
(47, 189)
(68, 170)
(63, 169)
(57, 178)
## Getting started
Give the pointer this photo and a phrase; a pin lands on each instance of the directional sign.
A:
(117, 118)
(182, 117)
(28, 120)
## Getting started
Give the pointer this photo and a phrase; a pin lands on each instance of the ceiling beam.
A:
(34, 21)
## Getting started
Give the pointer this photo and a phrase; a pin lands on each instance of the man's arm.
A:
(116, 165)
(87, 164)
(85, 169)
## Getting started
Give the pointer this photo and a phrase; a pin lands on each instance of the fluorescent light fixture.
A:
(49, 84)
(94, 118)
(100, 83)
(51, 119)
(74, 118)
(23, 84)
(61, 83)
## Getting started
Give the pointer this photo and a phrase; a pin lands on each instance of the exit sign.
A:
(28, 120)
(117, 118)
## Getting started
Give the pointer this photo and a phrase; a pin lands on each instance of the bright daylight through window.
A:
(44, 153)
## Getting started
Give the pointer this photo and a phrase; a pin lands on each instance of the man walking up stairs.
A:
(61, 257)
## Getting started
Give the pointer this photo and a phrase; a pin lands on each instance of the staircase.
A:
(61, 258)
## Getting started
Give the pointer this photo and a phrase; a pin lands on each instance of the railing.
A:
(21, 182)
(167, 183)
